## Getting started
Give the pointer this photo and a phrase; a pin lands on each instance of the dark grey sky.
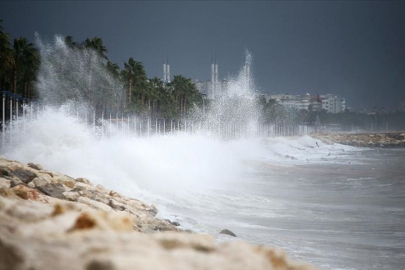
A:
(354, 49)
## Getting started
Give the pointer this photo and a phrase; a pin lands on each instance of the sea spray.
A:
(64, 134)
(76, 75)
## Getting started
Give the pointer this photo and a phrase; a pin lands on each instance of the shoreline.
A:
(384, 140)
(49, 220)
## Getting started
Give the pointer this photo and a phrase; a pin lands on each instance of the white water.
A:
(179, 161)
(156, 167)
(323, 204)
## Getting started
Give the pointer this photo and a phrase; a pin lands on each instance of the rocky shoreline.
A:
(386, 140)
(49, 220)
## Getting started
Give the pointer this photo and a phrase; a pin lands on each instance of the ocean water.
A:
(336, 206)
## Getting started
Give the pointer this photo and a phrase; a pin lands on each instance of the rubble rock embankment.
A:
(52, 221)
(365, 140)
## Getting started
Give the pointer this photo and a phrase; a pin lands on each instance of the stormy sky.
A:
(353, 49)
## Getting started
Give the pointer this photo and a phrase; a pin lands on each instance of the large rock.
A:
(94, 204)
(17, 172)
(55, 190)
(227, 232)
(4, 183)
(35, 166)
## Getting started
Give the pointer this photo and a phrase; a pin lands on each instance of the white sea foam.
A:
(171, 163)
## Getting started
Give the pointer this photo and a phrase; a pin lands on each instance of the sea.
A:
(334, 206)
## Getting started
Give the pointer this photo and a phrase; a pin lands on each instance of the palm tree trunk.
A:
(90, 78)
(15, 80)
(185, 100)
(129, 94)
(25, 89)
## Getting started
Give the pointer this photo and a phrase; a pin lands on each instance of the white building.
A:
(330, 103)
(299, 102)
(166, 70)
(214, 87)
(333, 103)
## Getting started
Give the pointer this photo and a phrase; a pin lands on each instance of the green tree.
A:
(24, 57)
(5, 56)
(135, 79)
(185, 93)
(71, 43)
(97, 52)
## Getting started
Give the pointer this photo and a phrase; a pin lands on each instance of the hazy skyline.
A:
(353, 49)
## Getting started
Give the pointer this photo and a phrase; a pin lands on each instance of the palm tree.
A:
(30, 66)
(97, 45)
(185, 92)
(71, 43)
(113, 95)
(5, 56)
(113, 69)
(24, 56)
(135, 77)
(158, 92)
(98, 51)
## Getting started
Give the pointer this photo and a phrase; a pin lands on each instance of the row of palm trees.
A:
(20, 65)
(140, 94)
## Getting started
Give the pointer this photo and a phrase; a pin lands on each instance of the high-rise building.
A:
(215, 86)
(166, 70)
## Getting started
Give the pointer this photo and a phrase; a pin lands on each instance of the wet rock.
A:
(83, 180)
(101, 264)
(14, 183)
(102, 190)
(152, 209)
(4, 172)
(94, 204)
(35, 166)
(71, 195)
(4, 183)
(53, 189)
(227, 232)
(175, 223)
(116, 206)
(64, 180)
(27, 193)
(23, 174)
(41, 181)
(69, 183)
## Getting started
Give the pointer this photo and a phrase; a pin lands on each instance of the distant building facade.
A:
(214, 87)
(166, 70)
(328, 102)
(333, 103)
(299, 102)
